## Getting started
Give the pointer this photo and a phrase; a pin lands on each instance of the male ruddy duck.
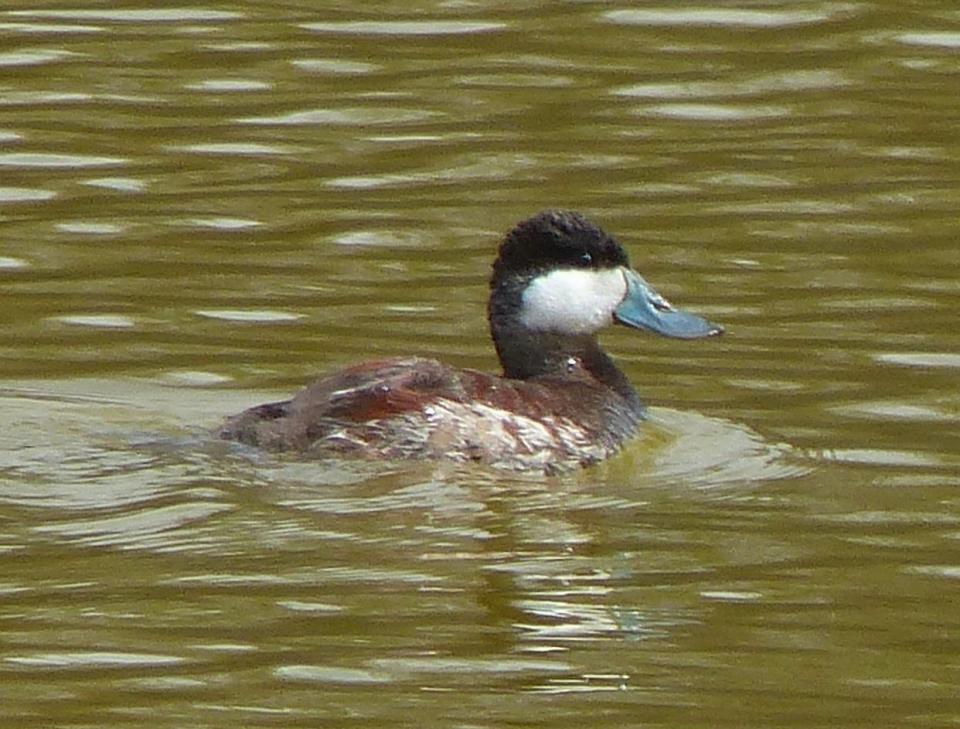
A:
(561, 401)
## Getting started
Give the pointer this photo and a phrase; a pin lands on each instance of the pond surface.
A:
(205, 206)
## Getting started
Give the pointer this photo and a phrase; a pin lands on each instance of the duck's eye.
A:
(586, 259)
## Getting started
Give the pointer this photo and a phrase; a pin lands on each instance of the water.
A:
(204, 207)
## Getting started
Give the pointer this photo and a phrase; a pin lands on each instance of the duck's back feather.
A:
(420, 408)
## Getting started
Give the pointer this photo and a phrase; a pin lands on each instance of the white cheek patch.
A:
(572, 300)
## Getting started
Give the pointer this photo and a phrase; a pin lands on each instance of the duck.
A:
(561, 403)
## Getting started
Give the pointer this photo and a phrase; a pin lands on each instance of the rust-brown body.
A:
(413, 408)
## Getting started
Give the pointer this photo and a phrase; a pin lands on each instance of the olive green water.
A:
(201, 207)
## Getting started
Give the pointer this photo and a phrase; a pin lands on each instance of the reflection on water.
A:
(202, 202)
(357, 566)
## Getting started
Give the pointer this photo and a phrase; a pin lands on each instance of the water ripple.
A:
(93, 659)
(330, 674)
(728, 17)
(54, 161)
(121, 184)
(153, 15)
(357, 116)
(716, 112)
(406, 27)
(106, 321)
(934, 38)
(137, 529)
(24, 194)
(34, 57)
(788, 81)
(236, 148)
(229, 85)
(335, 66)
(256, 316)
(948, 360)
(49, 28)
(9, 263)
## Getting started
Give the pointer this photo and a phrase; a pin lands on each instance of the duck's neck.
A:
(525, 355)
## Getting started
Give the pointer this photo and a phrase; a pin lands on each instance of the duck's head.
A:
(557, 275)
